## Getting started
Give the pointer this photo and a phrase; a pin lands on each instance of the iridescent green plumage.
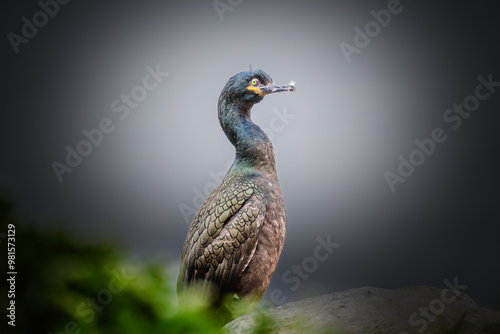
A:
(235, 239)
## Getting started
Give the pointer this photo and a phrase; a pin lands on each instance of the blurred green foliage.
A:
(65, 286)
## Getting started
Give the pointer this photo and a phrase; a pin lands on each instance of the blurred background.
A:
(349, 120)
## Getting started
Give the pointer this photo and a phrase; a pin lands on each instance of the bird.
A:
(235, 239)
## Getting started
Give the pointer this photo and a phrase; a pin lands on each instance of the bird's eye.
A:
(255, 82)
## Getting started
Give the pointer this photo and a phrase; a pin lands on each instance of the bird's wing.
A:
(223, 236)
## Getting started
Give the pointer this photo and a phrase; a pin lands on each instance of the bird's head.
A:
(238, 96)
(250, 87)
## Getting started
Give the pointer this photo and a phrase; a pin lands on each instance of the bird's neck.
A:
(253, 148)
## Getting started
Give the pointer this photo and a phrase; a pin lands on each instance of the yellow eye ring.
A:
(254, 82)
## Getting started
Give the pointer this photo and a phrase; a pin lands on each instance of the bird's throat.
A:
(253, 147)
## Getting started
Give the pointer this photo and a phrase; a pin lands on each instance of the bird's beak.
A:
(264, 90)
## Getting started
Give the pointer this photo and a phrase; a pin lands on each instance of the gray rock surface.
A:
(377, 311)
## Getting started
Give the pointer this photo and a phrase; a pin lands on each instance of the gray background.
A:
(351, 121)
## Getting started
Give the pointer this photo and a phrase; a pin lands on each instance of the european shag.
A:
(235, 240)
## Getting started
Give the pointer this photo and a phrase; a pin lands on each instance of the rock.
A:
(374, 310)
(484, 321)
